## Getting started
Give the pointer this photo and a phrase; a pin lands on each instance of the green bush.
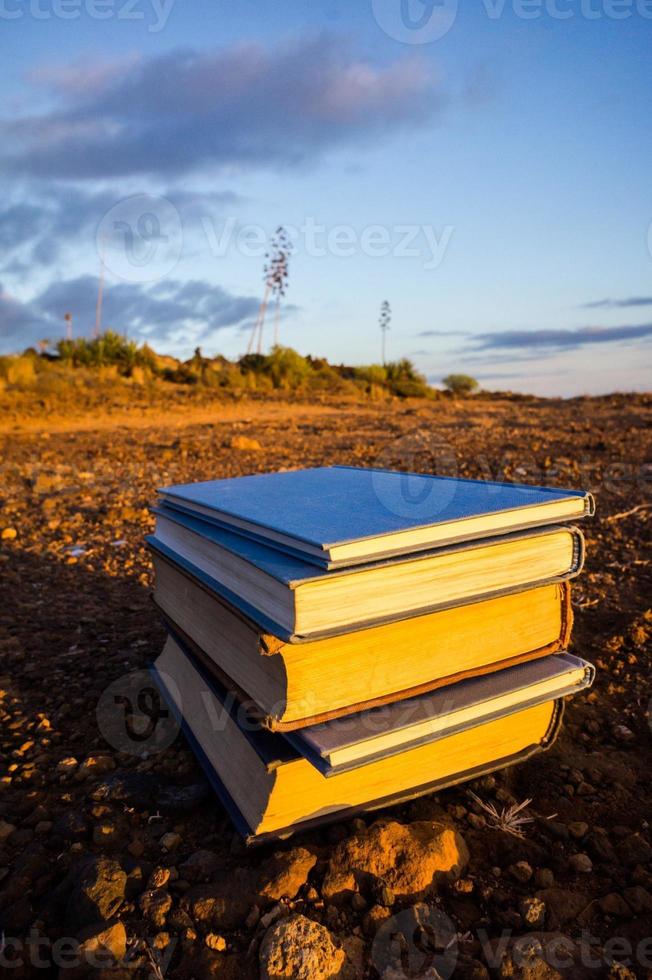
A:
(461, 384)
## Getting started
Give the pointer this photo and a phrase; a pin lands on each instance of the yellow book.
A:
(300, 683)
(269, 789)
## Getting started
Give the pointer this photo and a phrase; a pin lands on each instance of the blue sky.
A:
(484, 167)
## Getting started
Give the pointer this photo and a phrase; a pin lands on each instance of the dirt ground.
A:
(75, 615)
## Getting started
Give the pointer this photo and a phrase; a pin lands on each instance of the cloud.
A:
(180, 313)
(38, 225)
(617, 304)
(442, 333)
(559, 339)
(246, 105)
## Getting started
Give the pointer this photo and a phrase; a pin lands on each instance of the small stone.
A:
(521, 871)
(158, 878)
(270, 917)
(639, 899)
(95, 765)
(533, 911)
(103, 944)
(9, 534)
(136, 848)
(374, 918)
(155, 905)
(200, 866)
(464, 886)
(170, 841)
(300, 949)
(66, 766)
(43, 827)
(578, 829)
(615, 904)
(245, 444)
(544, 878)
(213, 941)
(581, 863)
(383, 894)
(6, 830)
(105, 833)
(98, 893)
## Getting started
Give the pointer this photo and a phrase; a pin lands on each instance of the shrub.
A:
(461, 384)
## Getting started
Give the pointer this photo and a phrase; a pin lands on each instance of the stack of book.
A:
(343, 638)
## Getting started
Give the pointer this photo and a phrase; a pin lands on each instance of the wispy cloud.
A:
(558, 339)
(443, 333)
(39, 224)
(180, 313)
(246, 105)
(617, 304)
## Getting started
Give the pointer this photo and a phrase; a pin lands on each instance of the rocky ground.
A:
(101, 849)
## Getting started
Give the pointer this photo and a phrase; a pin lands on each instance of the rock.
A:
(521, 871)
(601, 848)
(562, 906)
(66, 766)
(615, 904)
(285, 873)
(200, 866)
(6, 830)
(95, 765)
(544, 878)
(634, 850)
(533, 911)
(375, 918)
(102, 944)
(578, 829)
(299, 949)
(406, 857)
(9, 534)
(98, 893)
(106, 834)
(225, 903)
(213, 941)
(155, 905)
(638, 899)
(541, 955)
(170, 841)
(422, 936)
(581, 863)
(245, 443)
(158, 878)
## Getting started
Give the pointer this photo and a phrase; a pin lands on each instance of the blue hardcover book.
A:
(336, 516)
(270, 788)
(293, 598)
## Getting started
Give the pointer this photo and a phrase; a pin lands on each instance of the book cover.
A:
(323, 512)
